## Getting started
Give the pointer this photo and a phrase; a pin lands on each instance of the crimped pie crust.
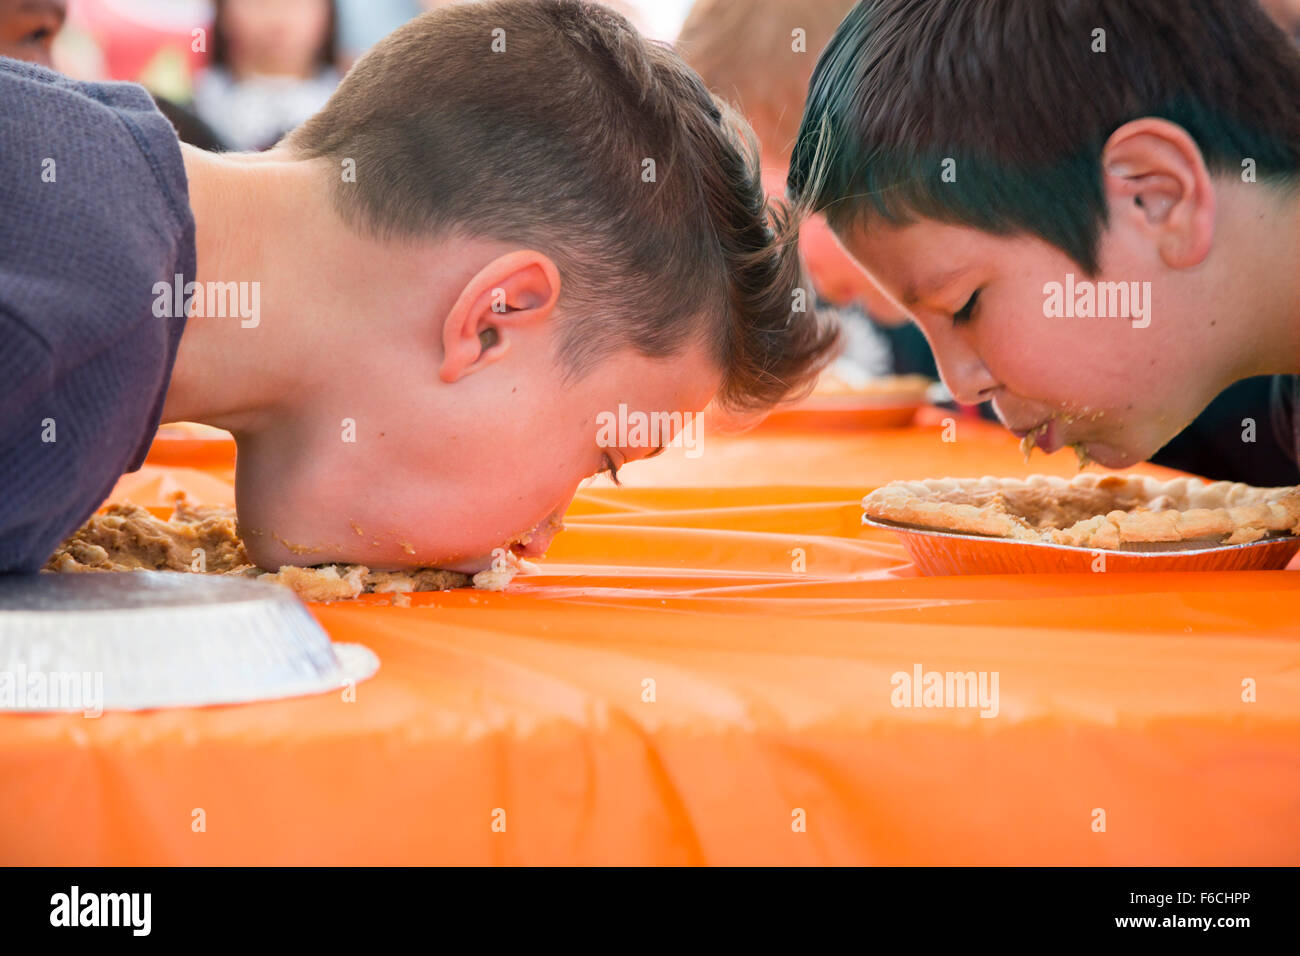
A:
(1091, 511)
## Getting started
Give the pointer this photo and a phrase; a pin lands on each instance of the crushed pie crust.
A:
(128, 538)
(495, 579)
(1092, 511)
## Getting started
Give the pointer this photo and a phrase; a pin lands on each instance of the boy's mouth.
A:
(1050, 437)
(1045, 435)
(534, 542)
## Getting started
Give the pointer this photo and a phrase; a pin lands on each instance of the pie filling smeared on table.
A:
(1092, 511)
(129, 538)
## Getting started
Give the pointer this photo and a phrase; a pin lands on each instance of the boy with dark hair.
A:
(511, 218)
(1089, 207)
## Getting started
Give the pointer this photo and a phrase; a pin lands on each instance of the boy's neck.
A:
(1289, 312)
(1256, 284)
(259, 219)
(1275, 232)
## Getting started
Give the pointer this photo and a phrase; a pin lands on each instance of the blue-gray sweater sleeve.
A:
(94, 213)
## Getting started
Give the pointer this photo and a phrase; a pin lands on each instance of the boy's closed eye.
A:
(967, 312)
(611, 467)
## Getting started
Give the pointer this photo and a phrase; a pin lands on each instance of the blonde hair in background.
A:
(751, 53)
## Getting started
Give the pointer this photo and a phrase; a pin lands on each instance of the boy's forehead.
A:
(685, 381)
(913, 260)
(926, 284)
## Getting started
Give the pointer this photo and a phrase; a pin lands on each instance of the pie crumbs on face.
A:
(128, 538)
(1030, 441)
(1091, 511)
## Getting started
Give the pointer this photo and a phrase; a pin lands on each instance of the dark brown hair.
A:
(1013, 92)
(546, 143)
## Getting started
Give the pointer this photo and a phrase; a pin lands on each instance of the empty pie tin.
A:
(939, 553)
(134, 640)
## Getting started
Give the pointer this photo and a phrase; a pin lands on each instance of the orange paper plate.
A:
(843, 411)
(941, 553)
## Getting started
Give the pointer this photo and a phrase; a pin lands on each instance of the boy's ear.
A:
(517, 289)
(1156, 181)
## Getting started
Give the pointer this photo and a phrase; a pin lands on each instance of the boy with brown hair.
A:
(1089, 207)
(759, 55)
(512, 217)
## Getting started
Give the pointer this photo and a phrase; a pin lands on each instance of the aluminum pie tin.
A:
(940, 553)
(136, 640)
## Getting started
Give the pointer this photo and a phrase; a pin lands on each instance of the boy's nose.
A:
(963, 372)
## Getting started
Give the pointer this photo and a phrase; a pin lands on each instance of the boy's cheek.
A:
(1052, 360)
(423, 537)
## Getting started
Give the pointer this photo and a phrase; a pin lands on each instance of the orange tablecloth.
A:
(678, 686)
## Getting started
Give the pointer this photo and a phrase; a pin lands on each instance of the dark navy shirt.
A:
(94, 213)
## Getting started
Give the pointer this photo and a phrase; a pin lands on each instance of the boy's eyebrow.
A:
(916, 291)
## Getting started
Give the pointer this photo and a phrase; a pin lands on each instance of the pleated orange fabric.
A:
(714, 665)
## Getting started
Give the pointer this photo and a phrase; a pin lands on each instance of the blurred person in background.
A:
(272, 66)
(759, 55)
(363, 23)
(28, 28)
(1286, 13)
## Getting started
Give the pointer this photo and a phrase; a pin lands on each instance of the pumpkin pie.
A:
(1092, 511)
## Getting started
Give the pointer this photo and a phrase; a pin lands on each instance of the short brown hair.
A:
(545, 143)
(744, 50)
(1019, 97)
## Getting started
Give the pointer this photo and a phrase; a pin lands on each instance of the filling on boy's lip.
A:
(1055, 431)
(534, 542)
(1051, 436)
(1044, 435)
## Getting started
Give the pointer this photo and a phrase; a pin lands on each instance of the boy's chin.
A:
(1108, 456)
(472, 566)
